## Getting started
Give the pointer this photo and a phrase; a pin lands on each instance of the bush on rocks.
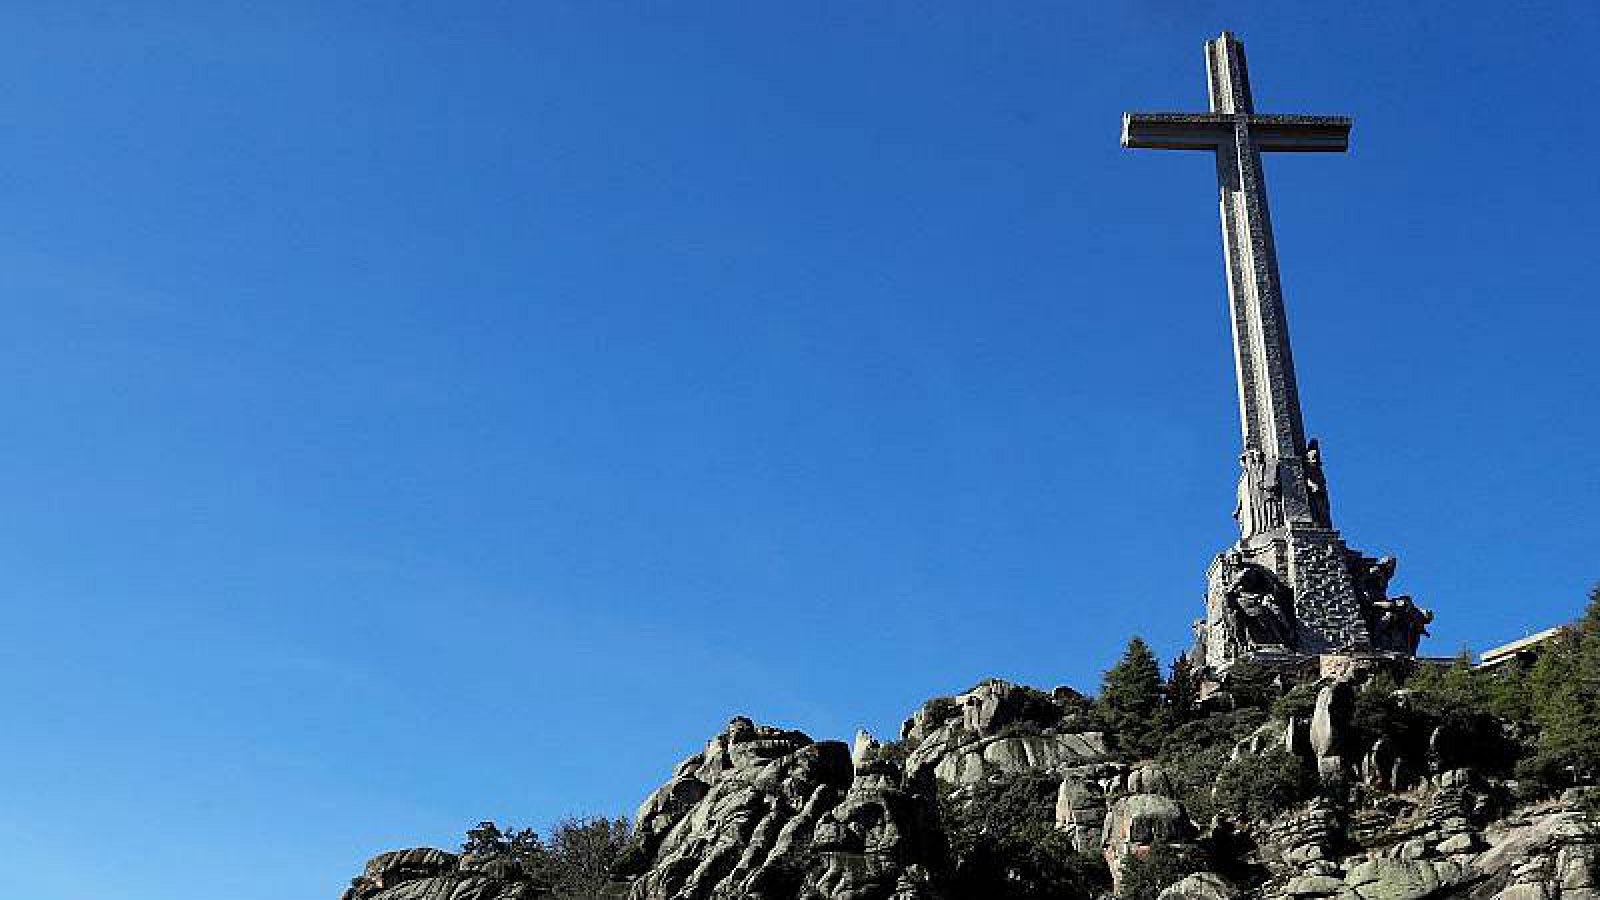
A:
(1145, 876)
(575, 863)
(1260, 787)
(1004, 844)
(1193, 755)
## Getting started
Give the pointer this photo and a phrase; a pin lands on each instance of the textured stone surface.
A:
(764, 792)
(767, 814)
(1081, 810)
(997, 728)
(1310, 834)
(955, 762)
(1404, 879)
(1200, 886)
(1330, 721)
(1137, 822)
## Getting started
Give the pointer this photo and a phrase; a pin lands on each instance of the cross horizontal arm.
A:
(1205, 131)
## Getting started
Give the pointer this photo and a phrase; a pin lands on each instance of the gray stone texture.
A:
(1200, 886)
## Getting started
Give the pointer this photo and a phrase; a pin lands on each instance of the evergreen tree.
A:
(520, 844)
(1131, 699)
(1183, 689)
(576, 863)
(1565, 693)
(1508, 693)
(1452, 694)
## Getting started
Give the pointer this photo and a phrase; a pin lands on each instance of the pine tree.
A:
(1454, 693)
(1131, 699)
(1183, 689)
(1508, 693)
(1565, 689)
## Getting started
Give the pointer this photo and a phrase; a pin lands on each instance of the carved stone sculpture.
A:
(1317, 485)
(1261, 608)
(1259, 507)
(1399, 624)
(1375, 580)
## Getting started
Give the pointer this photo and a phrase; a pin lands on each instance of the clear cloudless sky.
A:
(420, 413)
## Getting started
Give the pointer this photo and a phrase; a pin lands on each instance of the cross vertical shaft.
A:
(1269, 398)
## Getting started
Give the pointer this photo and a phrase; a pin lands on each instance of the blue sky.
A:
(421, 413)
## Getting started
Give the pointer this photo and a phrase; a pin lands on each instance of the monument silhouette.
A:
(1289, 591)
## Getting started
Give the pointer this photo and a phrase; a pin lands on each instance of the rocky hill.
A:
(1354, 788)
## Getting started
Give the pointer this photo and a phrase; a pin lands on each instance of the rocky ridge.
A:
(769, 814)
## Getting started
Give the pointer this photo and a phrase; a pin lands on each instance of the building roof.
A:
(1507, 652)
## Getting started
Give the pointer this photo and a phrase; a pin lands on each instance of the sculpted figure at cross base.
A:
(1259, 507)
(1375, 581)
(1260, 607)
(1317, 485)
(1399, 623)
(1396, 624)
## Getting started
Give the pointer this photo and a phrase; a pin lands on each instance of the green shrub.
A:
(1510, 694)
(1020, 729)
(1194, 753)
(1004, 844)
(1299, 703)
(1252, 685)
(1448, 692)
(1144, 877)
(1565, 698)
(940, 710)
(998, 808)
(1456, 699)
(1183, 689)
(522, 846)
(894, 752)
(583, 853)
(575, 863)
(1258, 787)
(1379, 713)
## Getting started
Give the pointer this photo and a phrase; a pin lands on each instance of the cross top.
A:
(1232, 107)
(1228, 75)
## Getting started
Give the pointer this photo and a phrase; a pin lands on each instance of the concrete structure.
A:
(1521, 650)
(1290, 588)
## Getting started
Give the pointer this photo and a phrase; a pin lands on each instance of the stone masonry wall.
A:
(1325, 594)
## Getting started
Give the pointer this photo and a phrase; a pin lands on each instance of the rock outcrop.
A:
(739, 818)
(428, 874)
(1146, 815)
(765, 813)
(798, 819)
(998, 728)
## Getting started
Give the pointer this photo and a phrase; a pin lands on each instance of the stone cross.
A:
(1283, 484)
(1290, 588)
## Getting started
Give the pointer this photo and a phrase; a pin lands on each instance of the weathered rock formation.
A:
(1146, 815)
(427, 874)
(998, 728)
(739, 818)
(769, 814)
